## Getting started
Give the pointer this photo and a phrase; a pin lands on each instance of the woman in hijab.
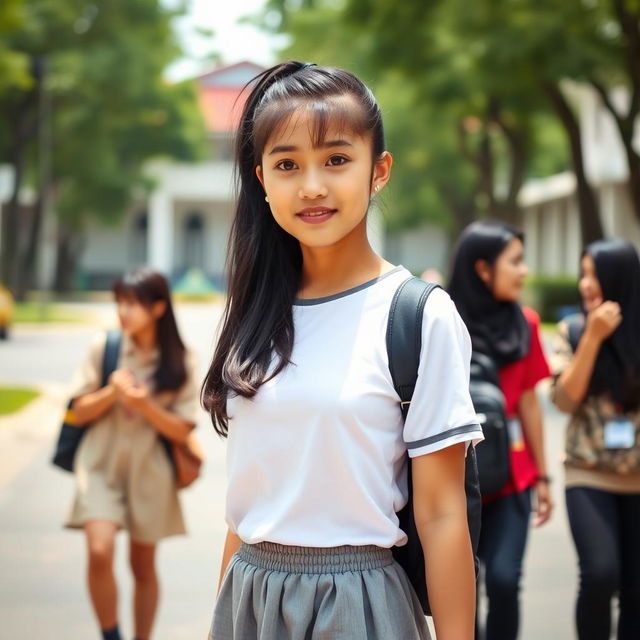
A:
(487, 277)
(597, 380)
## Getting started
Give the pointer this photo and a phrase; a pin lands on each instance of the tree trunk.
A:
(22, 129)
(508, 209)
(68, 250)
(633, 160)
(626, 129)
(28, 257)
(11, 220)
(590, 222)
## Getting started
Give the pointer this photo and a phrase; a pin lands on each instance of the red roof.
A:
(220, 95)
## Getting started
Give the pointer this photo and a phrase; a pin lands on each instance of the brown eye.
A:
(286, 165)
(337, 161)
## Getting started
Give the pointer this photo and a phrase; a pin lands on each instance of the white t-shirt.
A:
(318, 457)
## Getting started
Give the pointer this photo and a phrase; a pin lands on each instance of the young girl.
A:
(488, 272)
(300, 383)
(124, 476)
(597, 367)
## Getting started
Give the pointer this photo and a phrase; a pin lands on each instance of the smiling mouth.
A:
(315, 212)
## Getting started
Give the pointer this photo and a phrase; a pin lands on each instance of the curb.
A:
(25, 432)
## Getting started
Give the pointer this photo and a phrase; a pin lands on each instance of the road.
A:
(42, 591)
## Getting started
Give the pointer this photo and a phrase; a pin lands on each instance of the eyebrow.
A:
(284, 148)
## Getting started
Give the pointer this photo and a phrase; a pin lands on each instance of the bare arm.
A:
(91, 406)
(231, 545)
(530, 415)
(573, 383)
(165, 422)
(440, 509)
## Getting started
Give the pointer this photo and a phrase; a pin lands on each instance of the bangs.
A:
(337, 114)
(131, 292)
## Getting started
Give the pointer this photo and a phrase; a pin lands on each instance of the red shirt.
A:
(515, 379)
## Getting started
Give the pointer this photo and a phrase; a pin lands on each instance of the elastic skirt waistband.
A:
(291, 559)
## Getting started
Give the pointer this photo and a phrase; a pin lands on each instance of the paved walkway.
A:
(42, 592)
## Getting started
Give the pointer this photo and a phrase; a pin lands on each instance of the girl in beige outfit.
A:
(124, 478)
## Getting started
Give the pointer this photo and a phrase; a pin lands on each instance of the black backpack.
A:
(493, 453)
(70, 433)
(404, 339)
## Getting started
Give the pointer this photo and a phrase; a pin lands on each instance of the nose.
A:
(312, 186)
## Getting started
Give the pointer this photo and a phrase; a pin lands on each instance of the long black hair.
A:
(148, 287)
(264, 262)
(497, 328)
(617, 367)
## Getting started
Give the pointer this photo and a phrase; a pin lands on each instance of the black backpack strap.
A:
(404, 336)
(111, 355)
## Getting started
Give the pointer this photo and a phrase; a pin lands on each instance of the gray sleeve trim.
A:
(467, 428)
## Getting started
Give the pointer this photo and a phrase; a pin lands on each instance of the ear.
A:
(484, 271)
(158, 309)
(381, 171)
(259, 174)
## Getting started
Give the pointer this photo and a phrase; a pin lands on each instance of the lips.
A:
(315, 215)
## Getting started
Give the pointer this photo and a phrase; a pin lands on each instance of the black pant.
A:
(606, 531)
(505, 525)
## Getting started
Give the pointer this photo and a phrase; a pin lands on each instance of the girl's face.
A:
(589, 285)
(135, 317)
(320, 195)
(506, 278)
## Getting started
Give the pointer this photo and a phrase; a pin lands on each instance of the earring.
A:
(266, 199)
(376, 188)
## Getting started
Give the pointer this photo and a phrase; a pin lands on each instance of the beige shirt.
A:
(123, 473)
(582, 431)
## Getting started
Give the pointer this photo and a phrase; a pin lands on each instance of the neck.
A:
(146, 338)
(345, 264)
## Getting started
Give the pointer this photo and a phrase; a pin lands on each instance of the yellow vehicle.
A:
(6, 312)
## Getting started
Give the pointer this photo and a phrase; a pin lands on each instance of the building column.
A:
(160, 232)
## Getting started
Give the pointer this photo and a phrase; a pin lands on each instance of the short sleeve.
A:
(88, 377)
(441, 413)
(186, 402)
(537, 367)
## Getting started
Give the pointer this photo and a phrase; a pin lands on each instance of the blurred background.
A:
(116, 131)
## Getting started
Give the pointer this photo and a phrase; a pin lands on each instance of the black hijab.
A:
(498, 329)
(617, 367)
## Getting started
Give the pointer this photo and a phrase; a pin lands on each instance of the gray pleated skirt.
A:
(276, 592)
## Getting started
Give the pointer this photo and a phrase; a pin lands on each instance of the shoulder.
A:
(531, 316)
(97, 345)
(440, 306)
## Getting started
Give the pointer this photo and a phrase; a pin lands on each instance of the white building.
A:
(185, 222)
(550, 209)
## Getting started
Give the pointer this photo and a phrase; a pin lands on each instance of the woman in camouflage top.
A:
(597, 380)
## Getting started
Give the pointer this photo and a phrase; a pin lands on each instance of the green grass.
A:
(43, 312)
(14, 398)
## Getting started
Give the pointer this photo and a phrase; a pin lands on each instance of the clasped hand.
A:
(131, 394)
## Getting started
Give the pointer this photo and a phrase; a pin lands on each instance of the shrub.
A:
(553, 297)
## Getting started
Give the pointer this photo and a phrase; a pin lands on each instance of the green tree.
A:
(97, 69)
(465, 137)
(619, 66)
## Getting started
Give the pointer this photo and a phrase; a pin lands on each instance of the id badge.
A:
(619, 433)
